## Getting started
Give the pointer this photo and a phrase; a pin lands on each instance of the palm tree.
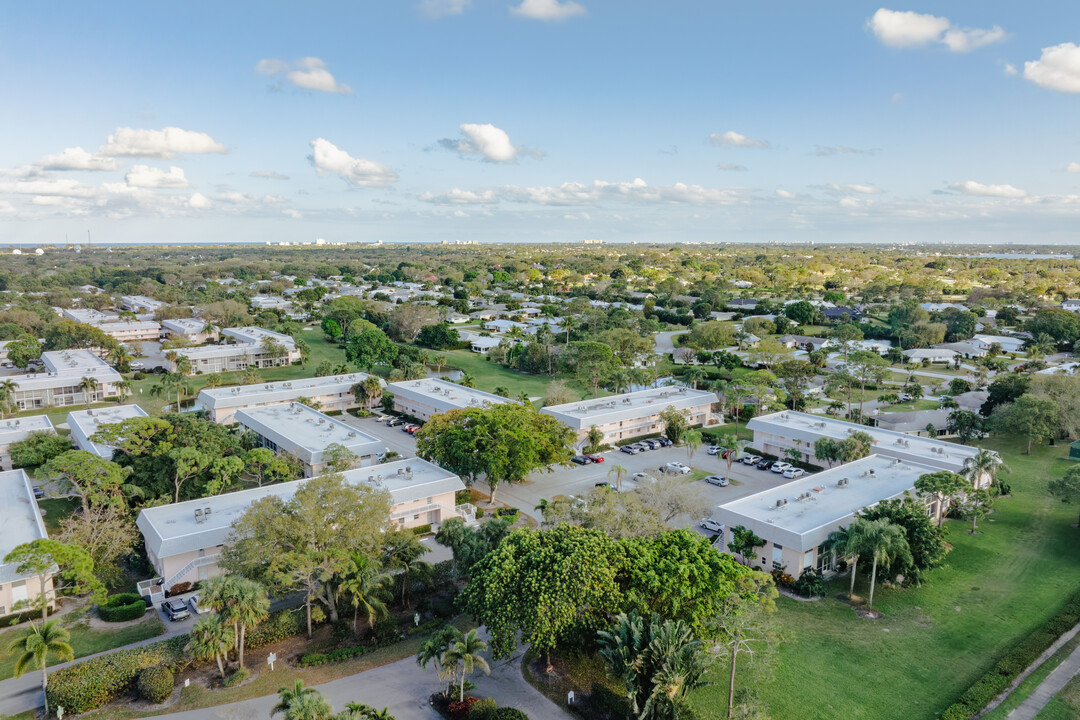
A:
(366, 588)
(211, 638)
(249, 607)
(466, 651)
(287, 696)
(435, 651)
(693, 375)
(209, 328)
(360, 711)
(213, 381)
(984, 464)
(847, 543)
(7, 395)
(407, 556)
(89, 386)
(886, 543)
(124, 389)
(691, 441)
(737, 447)
(439, 361)
(34, 648)
(415, 371)
(619, 471)
(119, 355)
(304, 350)
(302, 703)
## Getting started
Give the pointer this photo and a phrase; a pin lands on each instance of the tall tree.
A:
(211, 639)
(1028, 416)
(885, 543)
(945, 487)
(93, 479)
(745, 623)
(468, 653)
(1067, 488)
(69, 567)
(34, 648)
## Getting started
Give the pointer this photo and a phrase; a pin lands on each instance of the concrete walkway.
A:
(403, 688)
(1048, 688)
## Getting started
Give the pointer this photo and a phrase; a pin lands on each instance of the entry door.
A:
(18, 592)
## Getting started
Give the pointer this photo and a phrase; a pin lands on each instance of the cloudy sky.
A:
(541, 120)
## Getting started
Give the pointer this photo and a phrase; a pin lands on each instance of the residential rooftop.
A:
(800, 514)
(255, 335)
(20, 521)
(306, 432)
(267, 393)
(193, 326)
(444, 395)
(613, 408)
(84, 423)
(173, 529)
(13, 430)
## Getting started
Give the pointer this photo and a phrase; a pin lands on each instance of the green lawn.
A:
(913, 405)
(56, 509)
(489, 375)
(85, 641)
(1032, 681)
(934, 640)
(1065, 705)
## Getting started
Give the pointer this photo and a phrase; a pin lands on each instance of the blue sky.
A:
(542, 120)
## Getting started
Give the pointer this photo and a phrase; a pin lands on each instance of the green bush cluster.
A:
(94, 683)
(999, 677)
(280, 625)
(236, 677)
(422, 529)
(345, 653)
(155, 684)
(483, 709)
(122, 607)
(508, 713)
(809, 584)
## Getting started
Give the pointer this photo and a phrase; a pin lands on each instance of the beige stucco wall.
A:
(648, 425)
(33, 590)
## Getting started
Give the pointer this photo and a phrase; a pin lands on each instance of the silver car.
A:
(711, 525)
(718, 480)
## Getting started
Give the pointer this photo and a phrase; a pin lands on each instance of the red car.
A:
(596, 458)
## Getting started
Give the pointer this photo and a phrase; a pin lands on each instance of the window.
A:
(778, 556)
(824, 560)
(430, 499)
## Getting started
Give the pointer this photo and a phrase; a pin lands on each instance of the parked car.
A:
(629, 450)
(580, 460)
(640, 476)
(412, 429)
(175, 609)
(607, 485)
(750, 459)
(664, 442)
(710, 524)
(779, 467)
(394, 422)
(641, 446)
(718, 480)
(654, 444)
(193, 603)
(794, 472)
(714, 449)
(764, 464)
(596, 458)
(38, 492)
(136, 365)
(676, 468)
(407, 427)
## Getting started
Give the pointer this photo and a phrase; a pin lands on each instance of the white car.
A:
(718, 480)
(714, 450)
(780, 467)
(676, 468)
(749, 459)
(712, 525)
(136, 365)
(193, 603)
(793, 472)
(641, 477)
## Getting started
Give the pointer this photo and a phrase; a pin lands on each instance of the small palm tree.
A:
(846, 543)
(34, 648)
(89, 386)
(439, 361)
(302, 703)
(466, 651)
(124, 388)
(984, 464)
(367, 589)
(435, 650)
(372, 390)
(7, 395)
(211, 639)
(619, 471)
(886, 543)
(691, 441)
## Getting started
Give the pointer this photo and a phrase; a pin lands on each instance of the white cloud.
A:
(1010, 69)
(1057, 69)
(64, 187)
(859, 189)
(145, 176)
(76, 159)
(786, 194)
(842, 150)
(570, 194)
(328, 158)
(164, 143)
(734, 139)
(548, 9)
(731, 167)
(435, 9)
(487, 141)
(294, 214)
(1073, 167)
(457, 196)
(851, 203)
(897, 97)
(269, 175)
(905, 29)
(971, 187)
(308, 73)
(199, 201)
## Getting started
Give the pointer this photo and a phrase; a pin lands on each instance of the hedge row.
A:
(94, 683)
(999, 677)
(278, 626)
(122, 607)
(345, 653)
(155, 684)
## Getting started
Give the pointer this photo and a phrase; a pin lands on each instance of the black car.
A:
(765, 464)
(176, 609)
(607, 485)
(665, 442)
(580, 460)
(38, 492)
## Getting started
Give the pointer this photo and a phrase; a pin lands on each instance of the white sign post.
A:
(270, 660)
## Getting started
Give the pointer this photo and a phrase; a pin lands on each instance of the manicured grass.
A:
(56, 509)
(1065, 705)
(912, 405)
(84, 640)
(1025, 688)
(489, 375)
(934, 640)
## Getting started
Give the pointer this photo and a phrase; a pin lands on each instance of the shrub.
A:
(345, 653)
(479, 512)
(236, 677)
(810, 583)
(422, 529)
(483, 709)
(155, 684)
(384, 632)
(504, 511)
(280, 625)
(96, 682)
(782, 578)
(459, 709)
(179, 589)
(122, 607)
(508, 713)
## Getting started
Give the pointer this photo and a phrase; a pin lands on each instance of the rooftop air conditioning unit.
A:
(198, 515)
(872, 473)
(842, 482)
(780, 503)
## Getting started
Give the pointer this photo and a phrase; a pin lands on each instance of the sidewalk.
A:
(1048, 688)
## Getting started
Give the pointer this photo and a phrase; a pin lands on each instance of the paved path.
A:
(403, 688)
(1048, 688)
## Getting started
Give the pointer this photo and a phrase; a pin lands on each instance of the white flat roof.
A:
(215, 351)
(800, 514)
(66, 368)
(443, 395)
(804, 426)
(628, 406)
(172, 529)
(13, 430)
(62, 360)
(193, 326)
(147, 302)
(127, 325)
(20, 520)
(84, 423)
(266, 393)
(89, 316)
(305, 432)
(255, 335)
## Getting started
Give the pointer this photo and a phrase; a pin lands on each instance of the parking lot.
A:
(394, 438)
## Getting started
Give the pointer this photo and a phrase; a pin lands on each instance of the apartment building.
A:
(633, 414)
(15, 430)
(248, 348)
(424, 398)
(184, 540)
(84, 423)
(63, 382)
(140, 304)
(21, 523)
(307, 434)
(112, 325)
(796, 518)
(332, 393)
(191, 329)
